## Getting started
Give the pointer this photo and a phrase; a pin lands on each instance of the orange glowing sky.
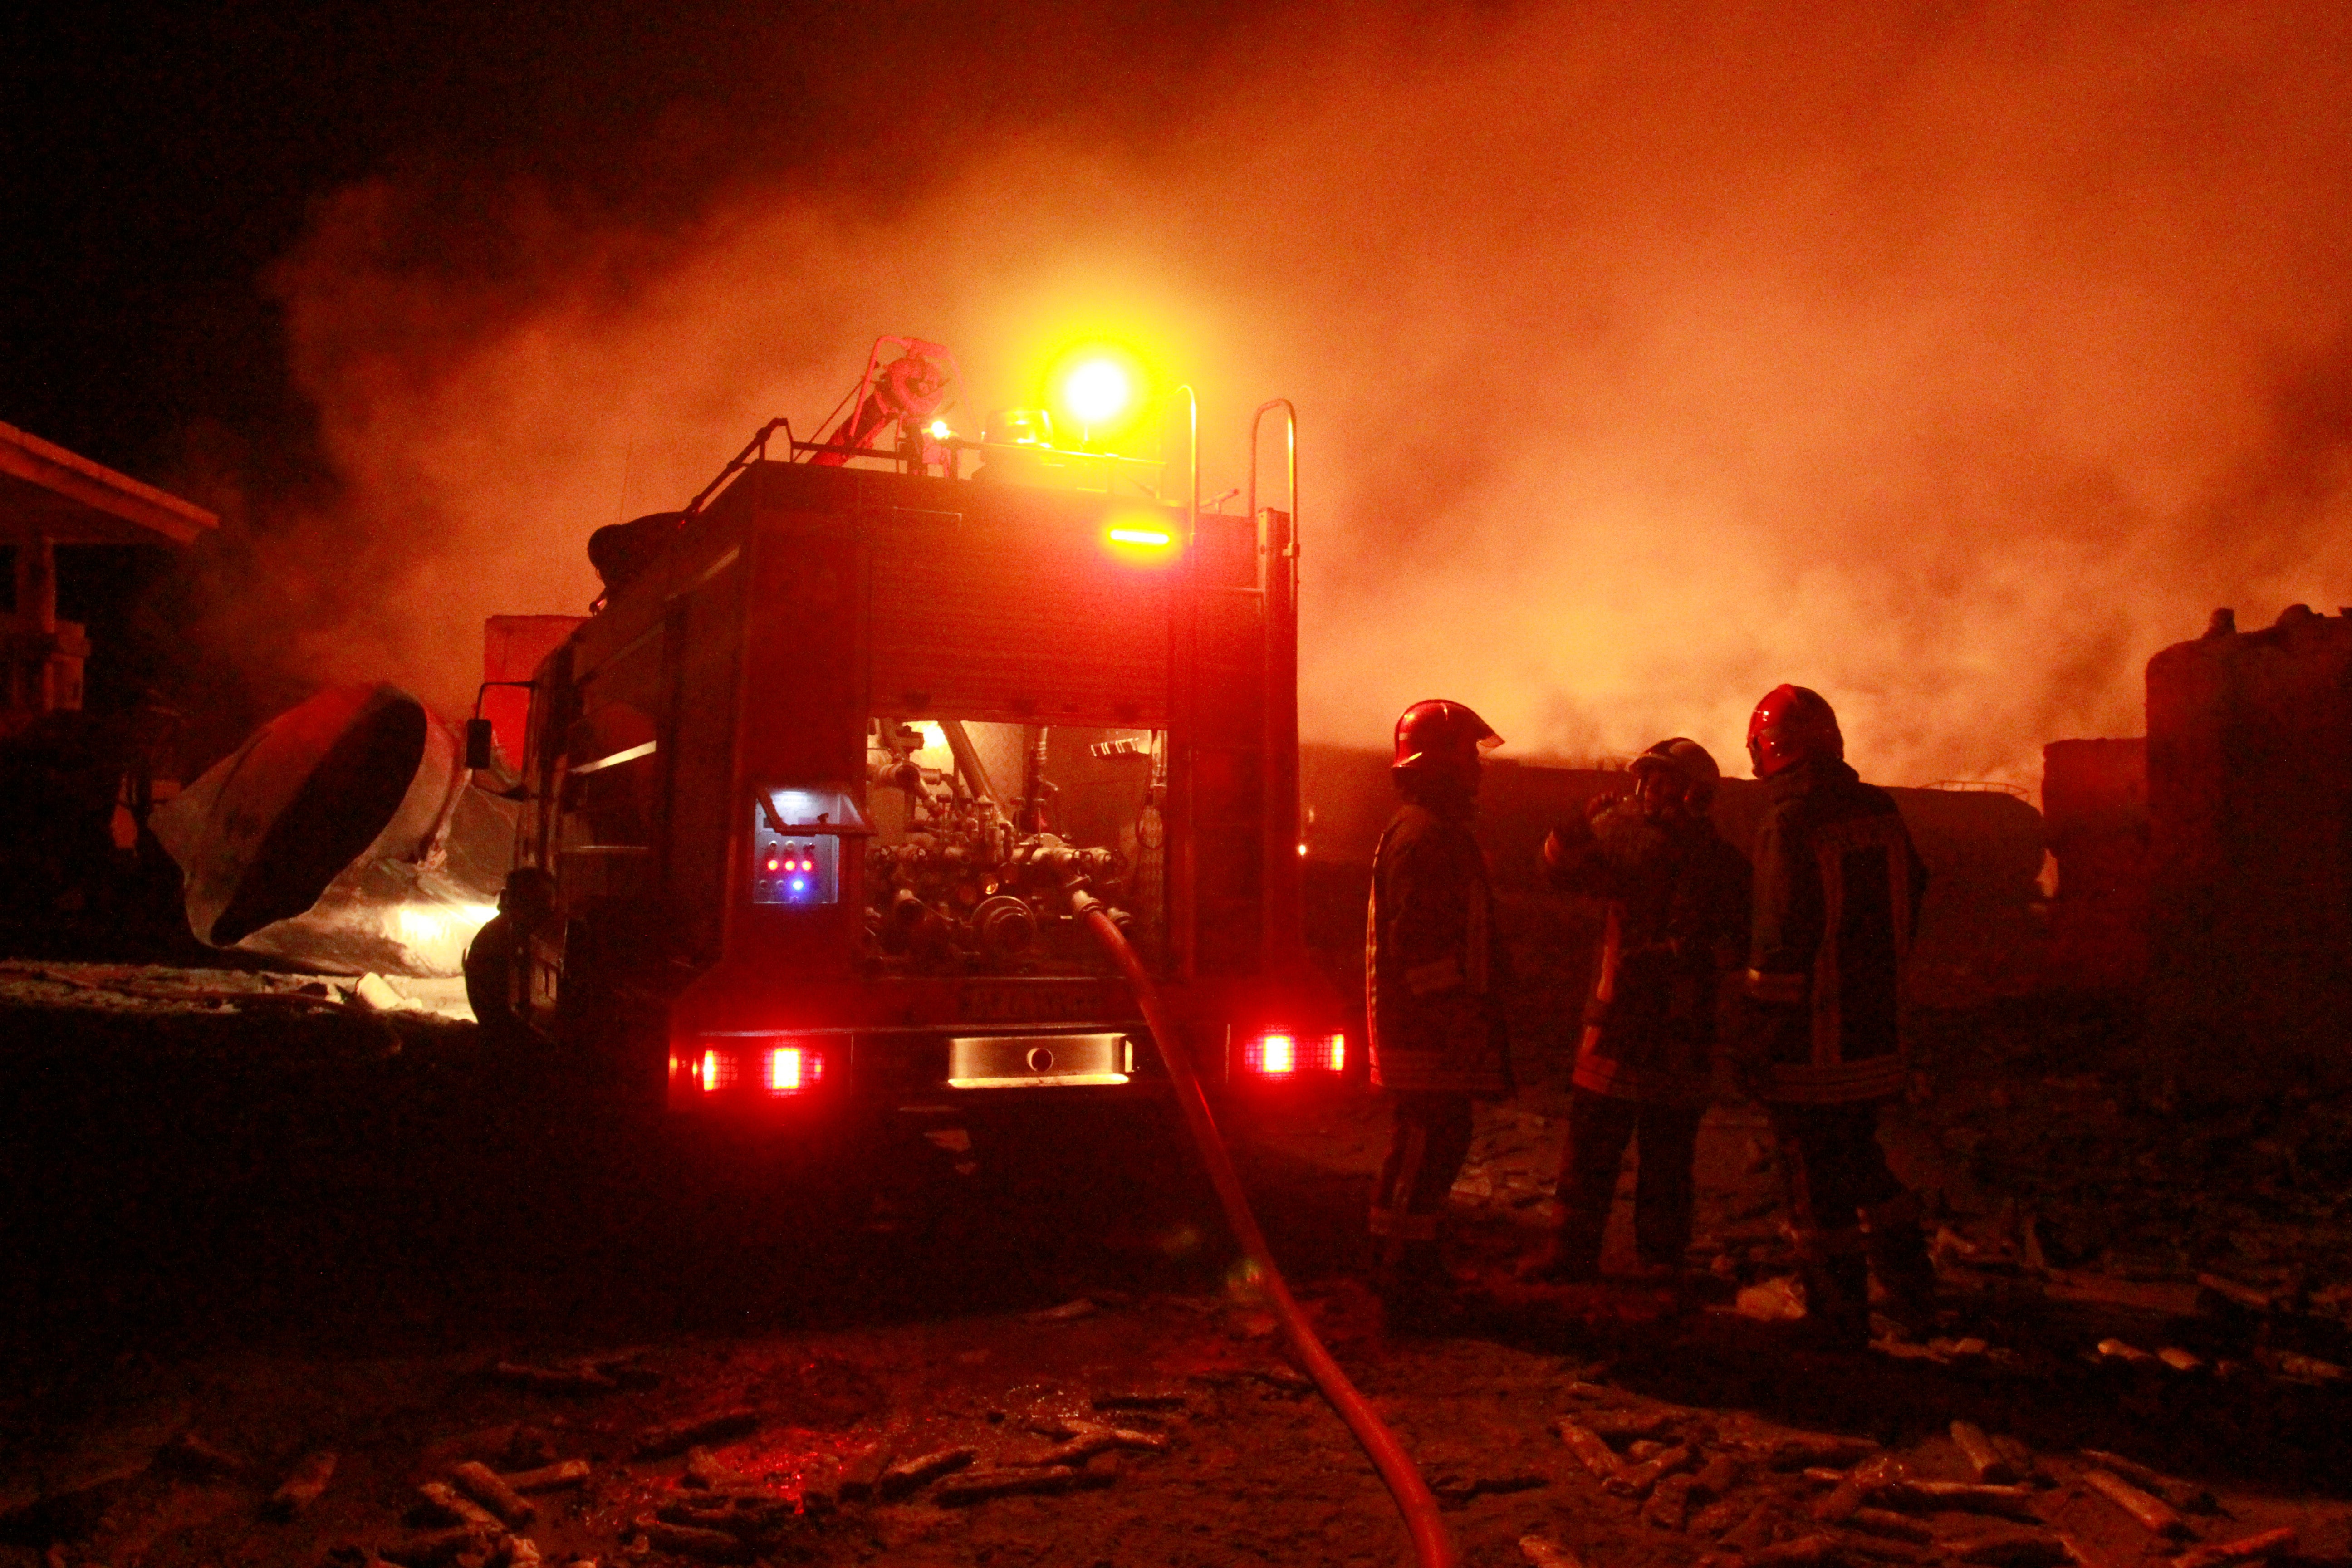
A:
(1948, 358)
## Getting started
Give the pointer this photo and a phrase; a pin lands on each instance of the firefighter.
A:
(1678, 911)
(1837, 886)
(1435, 974)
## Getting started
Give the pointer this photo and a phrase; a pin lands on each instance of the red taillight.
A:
(1271, 1056)
(1278, 1053)
(774, 1069)
(792, 1069)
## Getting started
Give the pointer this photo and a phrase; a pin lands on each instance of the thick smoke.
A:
(1949, 360)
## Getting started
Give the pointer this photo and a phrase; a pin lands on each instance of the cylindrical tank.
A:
(2250, 814)
(327, 835)
(2094, 800)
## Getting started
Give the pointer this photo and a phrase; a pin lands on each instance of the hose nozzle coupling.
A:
(1082, 903)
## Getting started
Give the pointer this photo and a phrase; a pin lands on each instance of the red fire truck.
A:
(808, 799)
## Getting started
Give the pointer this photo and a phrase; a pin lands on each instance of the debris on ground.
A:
(302, 1486)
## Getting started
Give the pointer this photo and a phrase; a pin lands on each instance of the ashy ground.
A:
(240, 1237)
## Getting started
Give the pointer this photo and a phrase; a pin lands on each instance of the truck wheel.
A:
(490, 974)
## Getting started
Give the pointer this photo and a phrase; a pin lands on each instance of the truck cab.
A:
(808, 799)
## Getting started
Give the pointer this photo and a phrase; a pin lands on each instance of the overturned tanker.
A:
(342, 835)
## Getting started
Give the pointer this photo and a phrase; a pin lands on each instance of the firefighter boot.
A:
(1417, 1296)
(1572, 1256)
(1906, 1276)
(1837, 1294)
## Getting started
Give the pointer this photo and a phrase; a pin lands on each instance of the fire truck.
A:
(812, 800)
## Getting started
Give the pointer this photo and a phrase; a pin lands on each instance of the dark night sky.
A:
(161, 159)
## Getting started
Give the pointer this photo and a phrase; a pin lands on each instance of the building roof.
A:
(47, 491)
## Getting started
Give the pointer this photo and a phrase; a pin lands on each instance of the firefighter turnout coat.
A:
(1434, 964)
(1837, 886)
(1678, 916)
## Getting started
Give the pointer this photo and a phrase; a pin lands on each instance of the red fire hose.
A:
(1430, 1546)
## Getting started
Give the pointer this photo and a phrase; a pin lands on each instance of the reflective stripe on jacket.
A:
(1837, 886)
(1435, 966)
(1678, 913)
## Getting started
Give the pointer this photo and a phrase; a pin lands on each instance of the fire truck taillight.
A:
(715, 1072)
(1279, 1053)
(792, 1069)
(1274, 1056)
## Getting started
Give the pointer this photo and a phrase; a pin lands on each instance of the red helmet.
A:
(1791, 725)
(1686, 761)
(1442, 737)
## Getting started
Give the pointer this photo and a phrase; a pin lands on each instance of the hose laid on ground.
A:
(1431, 1545)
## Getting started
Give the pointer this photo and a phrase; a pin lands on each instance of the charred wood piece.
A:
(1866, 1479)
(478, 1481)
(444, 1501)
(1141, 1399)
(190, 1456)
(549, 1478)
(2008, 1502)
(2269, 1544)
(439, 1546)
(1877, 1548)
(1543, 1552)
(863, 1475)
(912, 1475)
(1717, 1476)
(569, 1380)
(2186, 1496)
(2011, 1550)
(1895, 1526)
(1988, 1462)
(677, 1436)
(1635, 1480)
(300, 1489)
(1807, 1451)
(1587, 1446)
(1628, 1425)
(1669, 1504)
(2153, 1513)
(690, 1541)
(980, 1485)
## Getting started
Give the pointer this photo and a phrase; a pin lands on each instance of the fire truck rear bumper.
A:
(750, 1074)
(798, 1074)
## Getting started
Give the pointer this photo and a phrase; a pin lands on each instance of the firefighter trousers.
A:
(1428, 1141)
(1665, 1139)
(1850, 1217)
